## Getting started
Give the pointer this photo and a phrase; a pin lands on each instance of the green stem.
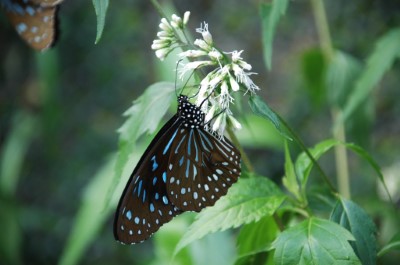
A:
(341, 159)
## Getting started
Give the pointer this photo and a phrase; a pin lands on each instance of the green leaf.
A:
(290, 180)
(270, 15)
(356, 220)
(256, 237)
(143, 117)
(315, 241)
(260, 108)
(303, 164)
(91, 216)
(100, 7)
(364, 154)
(394, 244)
(247, 201)
(342, 72)
(382, 58)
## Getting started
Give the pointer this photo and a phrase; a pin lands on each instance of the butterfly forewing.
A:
(145, 205)
(203, 171)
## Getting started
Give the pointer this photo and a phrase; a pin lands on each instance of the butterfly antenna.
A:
(176, 75)
(209, 95)
(215, 116)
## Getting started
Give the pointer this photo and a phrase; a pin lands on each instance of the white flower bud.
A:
(162, 53)
(202, 44)
(164, 25)
(210, 114)
(234, 85)
(176, 22)
(186, 17)
(215, 54)
(235, 123)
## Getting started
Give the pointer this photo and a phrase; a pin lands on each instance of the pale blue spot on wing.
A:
(21, 27)
(154, 181)
(183, 191)
(155, 165)
(30, 10)
(151, 207)
(170, 142)
(207, 140)
(164, 177)
(181, 161)
(194, 171)
(157, 196)
(137, 220)
(129, 215)
(197, 151)
(187, 168)
(181, 141)
(140, 188)
(144, 195)
(165, 200)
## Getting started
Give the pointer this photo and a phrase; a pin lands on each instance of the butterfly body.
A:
(34, 20)
(185, 168)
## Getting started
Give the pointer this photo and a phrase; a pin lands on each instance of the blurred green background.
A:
(59, 112)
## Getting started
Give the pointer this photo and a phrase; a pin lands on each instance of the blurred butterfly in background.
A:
(34, 20)
(185, 168)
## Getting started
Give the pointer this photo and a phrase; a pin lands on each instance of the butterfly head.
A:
(192, 115)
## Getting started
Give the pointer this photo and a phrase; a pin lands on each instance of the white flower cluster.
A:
(167, 39)
(229, 75)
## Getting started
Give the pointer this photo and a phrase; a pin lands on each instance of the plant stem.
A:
(341, 159)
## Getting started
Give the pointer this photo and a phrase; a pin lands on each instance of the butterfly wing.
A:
(144, 205)
(202, 167)
(35, 23)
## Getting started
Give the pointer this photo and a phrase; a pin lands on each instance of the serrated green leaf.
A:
(260, 108)
(356, 220)
(382, 58)
(256, 237)
(143, 117)
(270, 15)
(343, 69)
(394, 244)
(247, 201)
(100, 7)
(314, 241)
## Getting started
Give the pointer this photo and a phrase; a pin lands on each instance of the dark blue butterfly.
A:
(185, 168)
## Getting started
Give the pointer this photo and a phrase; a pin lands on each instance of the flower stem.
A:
(341, 159)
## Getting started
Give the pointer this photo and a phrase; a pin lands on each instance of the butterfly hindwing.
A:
(203, 168)
(144, 205)
(34, 21)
